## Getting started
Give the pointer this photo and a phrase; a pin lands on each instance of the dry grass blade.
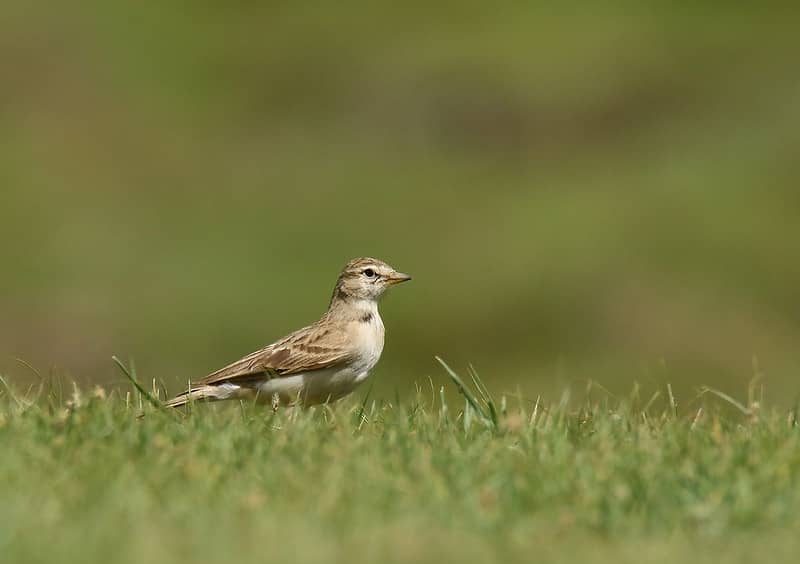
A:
(11, 393)
(30, 367)
(672, 401)
(727, 398)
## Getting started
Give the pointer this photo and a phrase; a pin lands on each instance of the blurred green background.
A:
(580, 193)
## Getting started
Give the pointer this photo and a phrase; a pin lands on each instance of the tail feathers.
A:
(201, 393)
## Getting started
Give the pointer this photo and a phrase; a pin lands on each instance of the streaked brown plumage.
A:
(318, 363)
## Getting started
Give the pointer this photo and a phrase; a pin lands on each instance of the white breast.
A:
(369, 342)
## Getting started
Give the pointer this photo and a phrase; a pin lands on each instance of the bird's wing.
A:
(311, 348)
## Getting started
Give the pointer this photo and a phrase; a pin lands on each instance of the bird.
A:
(317, 364)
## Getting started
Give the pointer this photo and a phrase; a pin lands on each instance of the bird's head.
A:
(366, 279)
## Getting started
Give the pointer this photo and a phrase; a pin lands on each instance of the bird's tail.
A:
(200, 393)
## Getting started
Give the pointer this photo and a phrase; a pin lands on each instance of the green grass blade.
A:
(463, 389)
(141, 389)
(487, 397)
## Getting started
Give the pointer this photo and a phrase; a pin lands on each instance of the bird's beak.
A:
(398, 278)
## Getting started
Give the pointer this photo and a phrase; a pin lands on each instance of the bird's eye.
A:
(369, 273)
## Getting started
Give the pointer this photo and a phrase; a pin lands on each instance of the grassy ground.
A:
(85, 480)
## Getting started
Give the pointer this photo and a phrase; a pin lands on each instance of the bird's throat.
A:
(363, 311)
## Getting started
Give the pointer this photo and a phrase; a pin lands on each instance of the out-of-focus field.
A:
(418, 481)
(581, 193)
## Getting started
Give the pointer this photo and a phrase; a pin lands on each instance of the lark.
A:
(317, 364)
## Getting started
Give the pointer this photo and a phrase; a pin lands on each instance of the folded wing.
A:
(311, 348)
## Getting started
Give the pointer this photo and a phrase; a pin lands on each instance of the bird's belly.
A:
(312, 388)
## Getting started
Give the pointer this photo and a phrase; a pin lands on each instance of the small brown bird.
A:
(319, 363)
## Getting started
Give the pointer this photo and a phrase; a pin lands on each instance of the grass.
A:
(84, 479)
